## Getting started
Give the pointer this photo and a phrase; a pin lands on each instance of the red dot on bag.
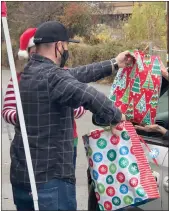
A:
(103, 169)
(110, 191)
(97, 196)
(133, 182)
(132, 150)
(90, 162)
(115, 140)
(108, 205)
(95, 134)
(120, 126)
(120, 177)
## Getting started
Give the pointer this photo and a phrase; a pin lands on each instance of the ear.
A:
(60, 46)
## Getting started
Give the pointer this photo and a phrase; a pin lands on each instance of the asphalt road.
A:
(84, 125)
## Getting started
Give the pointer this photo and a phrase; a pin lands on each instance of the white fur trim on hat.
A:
(31, 43)
(22, 55)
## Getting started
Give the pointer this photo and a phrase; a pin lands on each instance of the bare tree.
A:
(22, 15)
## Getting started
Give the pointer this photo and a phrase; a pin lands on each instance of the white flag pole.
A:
(20, 110)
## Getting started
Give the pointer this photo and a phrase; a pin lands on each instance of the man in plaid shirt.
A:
(49, 94)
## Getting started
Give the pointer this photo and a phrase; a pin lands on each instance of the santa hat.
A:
(26, 41)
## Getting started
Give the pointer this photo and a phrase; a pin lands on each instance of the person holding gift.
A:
(154, 128)
(9, 114)
(98, 120)
(50, 118)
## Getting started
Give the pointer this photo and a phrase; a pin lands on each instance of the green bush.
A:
(147, 23)
(80, 54)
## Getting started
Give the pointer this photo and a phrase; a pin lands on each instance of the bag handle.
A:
(142, 140)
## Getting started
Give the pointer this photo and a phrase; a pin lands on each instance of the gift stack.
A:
(118, 166)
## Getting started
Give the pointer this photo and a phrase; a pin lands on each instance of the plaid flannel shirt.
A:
(49, 94)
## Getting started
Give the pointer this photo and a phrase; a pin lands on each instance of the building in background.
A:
(112, 13)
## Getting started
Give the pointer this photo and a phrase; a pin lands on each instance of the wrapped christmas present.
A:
(119, 168)
(136, 88)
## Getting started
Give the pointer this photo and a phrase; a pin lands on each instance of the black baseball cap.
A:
(52, 31)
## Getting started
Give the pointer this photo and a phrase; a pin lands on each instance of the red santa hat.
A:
(26, 41)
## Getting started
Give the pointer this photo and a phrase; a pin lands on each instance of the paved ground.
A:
(84, 126)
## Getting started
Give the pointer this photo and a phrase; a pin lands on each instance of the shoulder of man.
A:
(57, 71)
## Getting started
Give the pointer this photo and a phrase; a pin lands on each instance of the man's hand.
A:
(124, 59)
(112, 127)
(152, 128)
(114, 131)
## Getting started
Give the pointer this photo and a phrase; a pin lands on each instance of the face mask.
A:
(64, 58)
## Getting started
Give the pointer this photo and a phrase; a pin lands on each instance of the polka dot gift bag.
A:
(119, 168)
(136, 88)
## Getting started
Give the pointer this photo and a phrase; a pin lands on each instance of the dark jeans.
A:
(54, 195)
(75, 156)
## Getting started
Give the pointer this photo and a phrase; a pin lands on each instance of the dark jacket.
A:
(49, 94)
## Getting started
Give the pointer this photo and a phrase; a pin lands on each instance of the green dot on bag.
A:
(123, 162)
(112, 168)
(89, 152)
(109, 179)
(111, 155)
(128, 200)
(125, 135)
(133, 168)
(140, 191)
(101, 143)
(101, 188)
(101, 207)
(116, 201)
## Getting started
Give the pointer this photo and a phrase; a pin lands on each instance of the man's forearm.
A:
(92, 72)
(67, 90)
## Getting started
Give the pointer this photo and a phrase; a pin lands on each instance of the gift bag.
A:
(136, 88)
(119, 169)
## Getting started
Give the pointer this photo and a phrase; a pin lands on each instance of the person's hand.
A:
(114, 131)
(112, 127)
(124, 59)
(152, 128)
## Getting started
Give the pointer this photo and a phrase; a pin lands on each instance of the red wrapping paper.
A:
(136, 89)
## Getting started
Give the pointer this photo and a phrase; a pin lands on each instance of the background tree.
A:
(77, 17)
(147, 23)
(22, 15)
